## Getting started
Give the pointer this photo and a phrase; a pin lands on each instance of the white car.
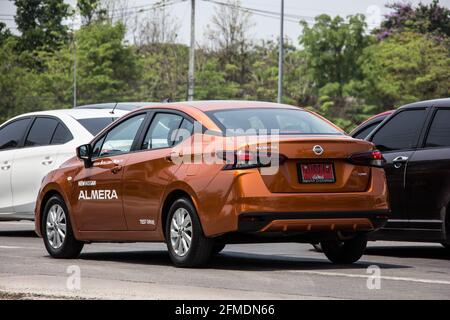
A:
(33, 144)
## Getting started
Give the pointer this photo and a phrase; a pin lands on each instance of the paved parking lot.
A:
(266, 271)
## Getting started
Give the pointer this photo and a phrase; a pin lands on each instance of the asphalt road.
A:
(266, 271)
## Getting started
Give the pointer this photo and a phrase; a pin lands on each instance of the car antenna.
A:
(115, 106)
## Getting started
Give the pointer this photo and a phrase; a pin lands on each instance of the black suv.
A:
(415, 141)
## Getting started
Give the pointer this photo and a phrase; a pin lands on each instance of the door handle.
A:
(399, 161)
(6, 166)
(173, 155)
(47, 161)
(116, 169)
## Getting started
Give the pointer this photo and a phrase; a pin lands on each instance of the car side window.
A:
(162, 132)
(439, 134)
(41, 132)
(185, 131)
(62, 135)
(12, 133)
(401, 131)
(119, 139)
(365, 131)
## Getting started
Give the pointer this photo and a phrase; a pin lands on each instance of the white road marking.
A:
(23, 223)
(337, 274)
(10, 247)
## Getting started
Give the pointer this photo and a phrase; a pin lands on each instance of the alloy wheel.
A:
(181, 232)
(56, 226)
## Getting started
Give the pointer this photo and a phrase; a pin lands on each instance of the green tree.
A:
(405, 67)
(91, 10)
(16, 83)
(332, 47)
(432, 19)
(41, 24)
(4, 32)
(106, 68)
(164, 72)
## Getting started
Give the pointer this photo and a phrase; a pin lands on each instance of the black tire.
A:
(217, 248)
(345, 252)
(201, 247)
(70, 247)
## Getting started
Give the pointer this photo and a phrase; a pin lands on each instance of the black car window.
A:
(12, 133)
(41, 132)
(439, 134)
(61, 135)
(161, 133)
(120, 138)
(95, 125)
(97, 147)
(364, 132)
(185, 131)
(401, 131)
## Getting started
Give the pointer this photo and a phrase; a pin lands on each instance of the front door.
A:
(99, 188)
(397, 140)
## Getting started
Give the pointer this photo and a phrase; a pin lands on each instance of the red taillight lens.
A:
(371, 158)
(377, 155)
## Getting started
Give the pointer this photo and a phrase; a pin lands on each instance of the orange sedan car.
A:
(200, 175)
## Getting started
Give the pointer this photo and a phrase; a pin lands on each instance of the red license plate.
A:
(316, 173)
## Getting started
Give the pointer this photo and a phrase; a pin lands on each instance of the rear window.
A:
(286, 121)
(95, 125)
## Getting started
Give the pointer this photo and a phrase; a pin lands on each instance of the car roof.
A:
(445, 102)
(79, 113)
(211, 105)
(129, 106)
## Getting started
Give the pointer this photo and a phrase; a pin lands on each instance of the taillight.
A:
(245, 159)
(371, 158)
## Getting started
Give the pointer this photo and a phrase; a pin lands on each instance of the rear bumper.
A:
(233, 197)
(312, 221)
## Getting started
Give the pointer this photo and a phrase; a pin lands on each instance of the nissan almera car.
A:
(200, 175)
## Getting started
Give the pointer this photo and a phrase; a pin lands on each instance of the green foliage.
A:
(432, 20)
(16, 83)
(40, 24)
(405, 67)
(4, 33)
(332, 47)
(91, 10)
(106, 69)
(339, 71)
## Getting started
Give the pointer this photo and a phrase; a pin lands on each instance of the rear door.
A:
(397, 139)
(428, 177)
(149, 171)
(11, 137)
(33, 162)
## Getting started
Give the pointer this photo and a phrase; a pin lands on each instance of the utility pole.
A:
(191, 78)
(74, 66)
(281, 56)
(74, 75)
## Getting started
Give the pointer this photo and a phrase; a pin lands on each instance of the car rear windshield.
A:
(286, 121)
(95, 125)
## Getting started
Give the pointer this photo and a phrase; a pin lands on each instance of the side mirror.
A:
(84, 153)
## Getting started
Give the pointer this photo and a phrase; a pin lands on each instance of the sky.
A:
(264, 27)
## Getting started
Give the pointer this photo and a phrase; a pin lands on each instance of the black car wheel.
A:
(57, 231)
(187, 245)
(345, 252)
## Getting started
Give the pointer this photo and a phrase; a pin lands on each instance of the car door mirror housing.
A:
(84, 152)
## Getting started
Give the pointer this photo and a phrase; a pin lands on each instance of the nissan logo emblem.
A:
(318, 150)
